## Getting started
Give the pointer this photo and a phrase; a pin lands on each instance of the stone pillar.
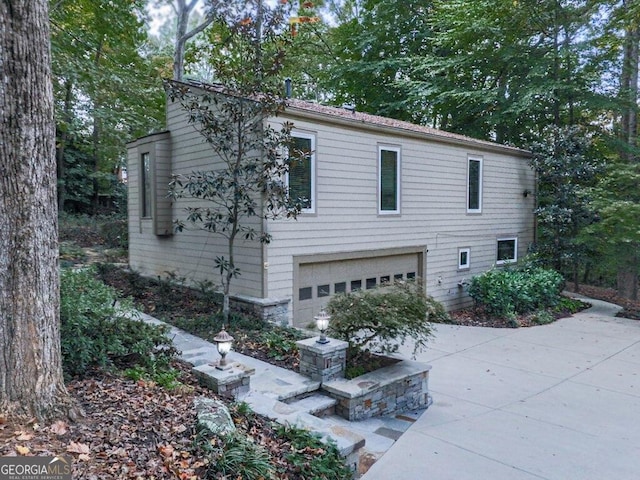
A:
(232, 383)
(322, 361)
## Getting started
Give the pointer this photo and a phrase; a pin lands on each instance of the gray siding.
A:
(433, 207)
(188, 254)
(433, 214)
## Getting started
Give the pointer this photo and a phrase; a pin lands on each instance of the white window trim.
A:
(398, 179)
(144, 177)
(471, 158)
(515, 250)
(466, 266)
(311, 137)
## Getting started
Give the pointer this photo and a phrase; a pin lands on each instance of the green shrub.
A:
(511, 291)
(243, 459)
(377, 319)
(542, 317)
(94, 333)
(281, 341)
(316, 460)
(115, 232)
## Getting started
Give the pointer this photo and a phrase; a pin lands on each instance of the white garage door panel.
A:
(317, 281)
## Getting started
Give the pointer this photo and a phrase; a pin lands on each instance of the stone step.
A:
(348, 442)
(316, 404)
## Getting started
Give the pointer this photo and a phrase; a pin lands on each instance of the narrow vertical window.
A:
(145, 184)
(464, 261)
(301, 176)
(474, 190)
(389, 180)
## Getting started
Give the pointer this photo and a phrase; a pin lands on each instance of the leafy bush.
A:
(115, 232)
(241, 458)
(94, 333)
(377, 319)
(505, 292)
(315, 459)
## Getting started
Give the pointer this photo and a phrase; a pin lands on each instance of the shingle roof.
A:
(367, 118)
(374, 120)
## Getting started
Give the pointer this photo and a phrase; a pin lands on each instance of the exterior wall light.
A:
(322, 322)
(223, 343)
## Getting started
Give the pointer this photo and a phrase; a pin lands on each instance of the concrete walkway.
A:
(554, 402)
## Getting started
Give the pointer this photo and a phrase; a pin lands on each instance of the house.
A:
(387, 200)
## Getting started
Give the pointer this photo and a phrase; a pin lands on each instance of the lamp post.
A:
(223, 343)
(322, 322)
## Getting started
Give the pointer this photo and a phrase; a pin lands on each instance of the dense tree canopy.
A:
(499, 70)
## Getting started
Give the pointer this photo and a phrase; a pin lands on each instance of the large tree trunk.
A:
(182, 9)
(628, 271)
(31, 381)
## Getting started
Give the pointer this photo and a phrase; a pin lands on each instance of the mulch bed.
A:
(475, 317)
(631, 308)
(138, 430)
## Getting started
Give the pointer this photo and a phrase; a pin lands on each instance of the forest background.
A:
(557, 77)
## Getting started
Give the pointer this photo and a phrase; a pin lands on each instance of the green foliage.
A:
(566, 166)
(281, 342)
(569, 305)
(96, 334)
(106, 92)
(115, 232)
(377, 319)
(505, 292)
(542, 317)
(241, 458)
(325, 462)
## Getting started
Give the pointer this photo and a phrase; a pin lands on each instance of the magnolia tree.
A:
(248, 181)
(252, 157)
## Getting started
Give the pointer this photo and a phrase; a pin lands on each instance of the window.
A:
(507, 250)
(371, 283)
(474, 182)
(323, 291)
(305, 293)
(464, 258)
(385, 279)
(301, 177)
(389, 180)
(356, 285)
(411, 276)
(340, 287)
(145, 184)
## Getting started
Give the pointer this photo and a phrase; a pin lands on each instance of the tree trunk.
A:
(31, 382)
(95, 135)
(183, 11)
(627, 278)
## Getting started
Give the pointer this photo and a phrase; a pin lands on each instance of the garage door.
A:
(318, 281)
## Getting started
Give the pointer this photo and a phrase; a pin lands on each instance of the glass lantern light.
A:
(322, 322)
(223, 343)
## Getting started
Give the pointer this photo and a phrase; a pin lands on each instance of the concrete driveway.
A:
(560, 402)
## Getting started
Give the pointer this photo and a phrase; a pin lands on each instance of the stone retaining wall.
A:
(393, 389)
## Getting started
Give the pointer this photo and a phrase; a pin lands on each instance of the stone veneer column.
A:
(322, 361)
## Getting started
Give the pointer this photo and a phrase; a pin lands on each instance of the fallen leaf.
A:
(84, 456)
(22, 450)
(59, 428)
(24, 437)
(166, 450)
(78, 448)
